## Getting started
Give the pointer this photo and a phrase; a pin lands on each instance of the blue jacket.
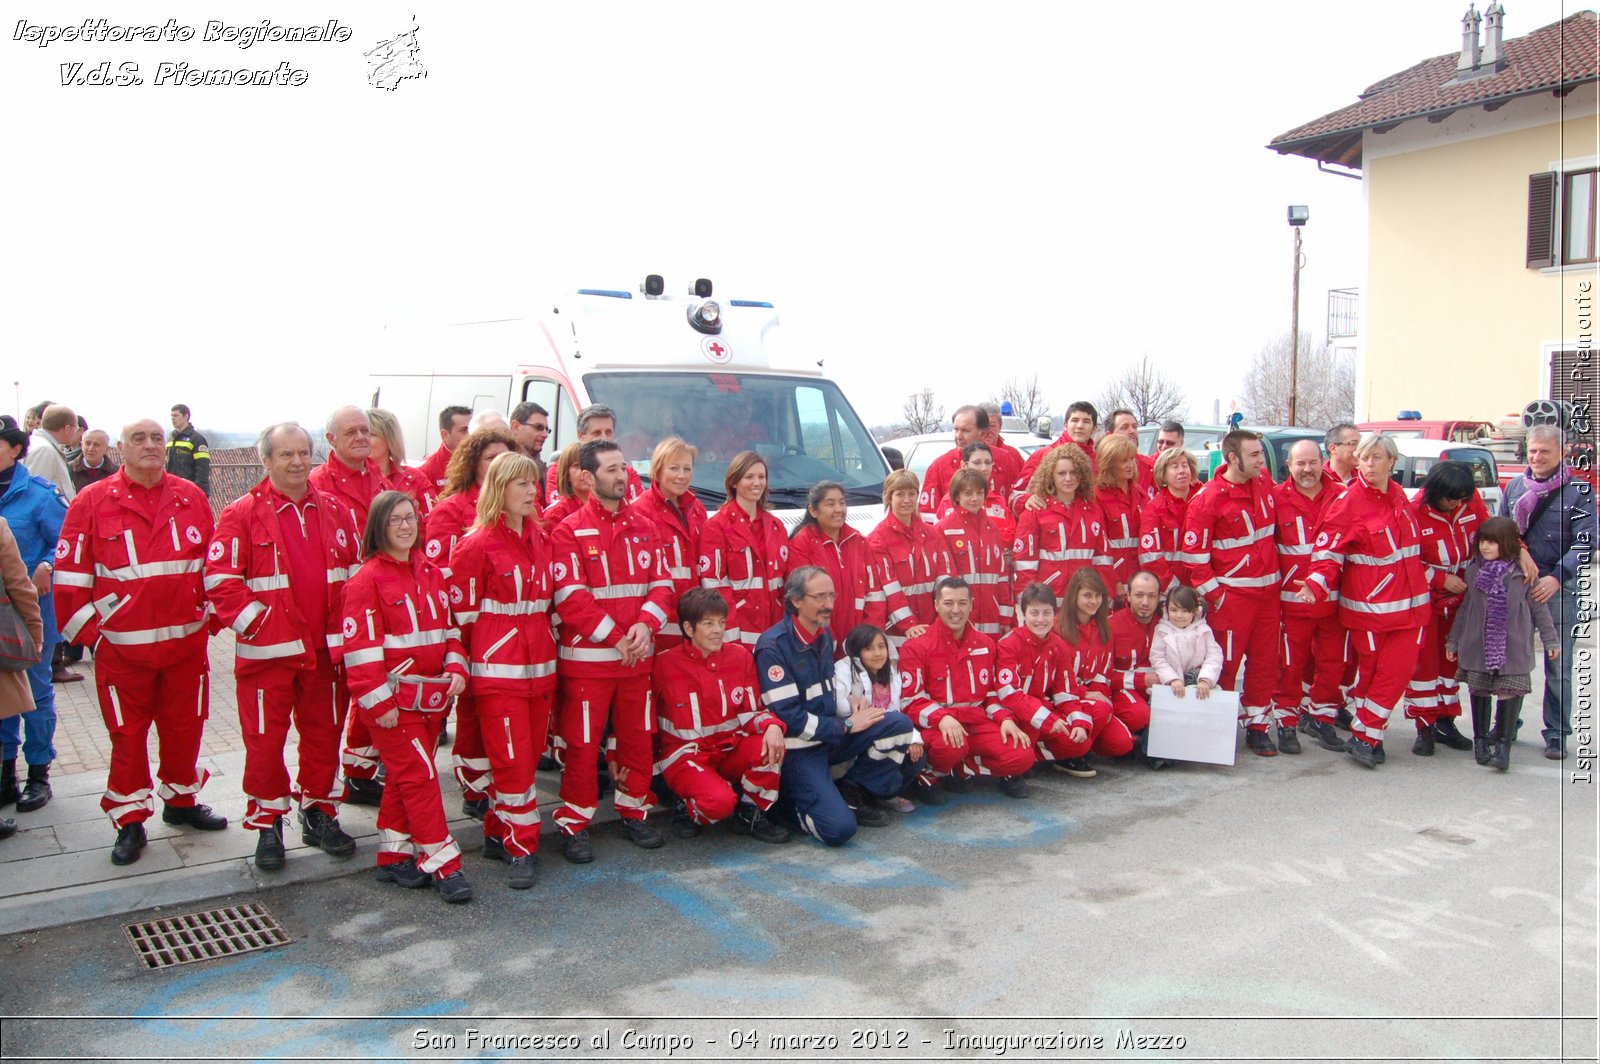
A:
(34, 508)
(1562, 540)
(797, 684)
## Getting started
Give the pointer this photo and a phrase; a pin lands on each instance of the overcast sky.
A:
(932, 193)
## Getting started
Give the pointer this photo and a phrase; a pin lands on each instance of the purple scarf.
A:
(1492, 582)
(1528, 501)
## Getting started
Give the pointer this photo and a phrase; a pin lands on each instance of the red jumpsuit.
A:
(417, 485)
(1036, 686)
(849, 561)
(449, 521)
(1161, 538)
(1000, 515)
(911, 559)
(977, 547)
(1131, 675)
(397, 620)
(610, 574)
(1057, 541)
(1230, 547)
(942, 675)
(746, 560)
(710, 728)
(500, 592)
(680, 527)
(1091, 669)
(1314, 644)
(936, 483)
(275, 573)
(1368, 551)
(129, 585)
(1119, 509)
(1446, 549)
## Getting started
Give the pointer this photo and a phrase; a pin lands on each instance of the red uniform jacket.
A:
(551, 495)
(1057, 541)
(129, 569)
(563, 508)
(936, 483)
(1229, 539)
(249, 582)
(680, 529)
(1120, 511)
(1091, 661)
(705, 703)
(421, 488)
(609, 576)
(1447, 544)
(1369, 552)
(910, 559)
(1020, 485)
(1161, 536)
(500, 592)
(434, 467)
(1000, 515)
(746, 561)
(1036, 680)
(940, 675)
(1007, 464)
(396, 619)
(855, 576)
(1130, 652)
(977, 549)
(1299, 518)
(448, 522)
(351, 489)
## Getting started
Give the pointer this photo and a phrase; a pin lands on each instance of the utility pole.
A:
(1294, 336)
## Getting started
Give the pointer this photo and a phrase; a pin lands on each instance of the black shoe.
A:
(1323, 731)
(8, 827)
(925, 793)
(1446, 732)
(363, 792)
(1552, 750)
(454, 887)
(1012, 786)
(8, 783)
(1380, 753)
(494, 850)
(323, 831)
(269, 847)
(476, 808)
(1306, 720)
(1343, 719)
(870, 816)
(1362, 753)
(577, 848)
(36, 794)
(404, 874)
(954, 784)
(683, 825)
(1288, 740)
(1480, 751)
(1423, 747)
(1259, 742)
(642, 835)
(199, 817)
(524, 872)
(1156, 763)
(129, 845)
(1076, 766)
(748, 820)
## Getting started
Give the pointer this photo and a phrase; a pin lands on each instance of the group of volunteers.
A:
(1004, 612)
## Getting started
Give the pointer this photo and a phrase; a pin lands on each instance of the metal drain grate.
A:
(205, 936)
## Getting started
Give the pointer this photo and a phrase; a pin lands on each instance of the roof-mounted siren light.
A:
(706, 316)
(1409, 415)
(1006, 409)
(702, 288)
(653, 285)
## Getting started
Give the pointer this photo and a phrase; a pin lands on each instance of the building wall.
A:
(1455, 325)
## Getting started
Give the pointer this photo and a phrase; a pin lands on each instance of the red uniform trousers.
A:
(469, 755)
(585, 705)
(1433, 692)
(1110, 735)
(360, 756)
(1247, 626)
(704, 779)
(986, 753)
(270, 695)
(411, 823)
(1384, 664)
(176, 699)
(1051, 745)
(514, 728)
(1313, 667)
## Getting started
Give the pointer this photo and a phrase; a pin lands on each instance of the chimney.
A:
(1494, 24)
(1469, 40)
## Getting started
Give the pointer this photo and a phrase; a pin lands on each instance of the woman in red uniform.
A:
(572, 489)
(744, 552)
(977, 547)
(1161, 520)
(500, 591)
(910, 559)
(825, 540)
(1117, 493)
(389, 451)
(1083, 623)
(680, 515)
(1059, 528)
(398, 631)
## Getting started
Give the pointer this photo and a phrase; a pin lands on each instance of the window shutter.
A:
(1542, 219)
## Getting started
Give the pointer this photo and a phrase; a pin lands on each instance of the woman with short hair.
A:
(681, 516)
(1161, 520)
(910, 559)
(744, 551)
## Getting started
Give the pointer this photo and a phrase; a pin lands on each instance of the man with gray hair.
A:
(1340, 443)
(47, 448)
(1555, 512)
(595, 422)
(93, 462)
(1007, 459)
(275, 573)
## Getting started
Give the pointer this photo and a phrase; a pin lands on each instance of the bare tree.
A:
(1325, 391)
(1144, 389)
(922, 413)
(1027, 399)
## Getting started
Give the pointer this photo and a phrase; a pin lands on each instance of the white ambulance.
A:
(713, 371)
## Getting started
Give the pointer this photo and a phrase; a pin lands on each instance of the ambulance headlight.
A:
(706, 317)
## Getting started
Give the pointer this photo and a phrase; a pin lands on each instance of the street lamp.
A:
(1299, 214)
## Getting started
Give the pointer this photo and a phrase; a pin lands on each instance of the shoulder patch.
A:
(215, 553)
(192, 534)
(1191, 538)
(62, 549)
(775, 673)
(349, 628)
(559, 569)
(433, 549)
(644, 559)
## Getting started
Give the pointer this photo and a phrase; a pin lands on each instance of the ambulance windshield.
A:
(802, 426)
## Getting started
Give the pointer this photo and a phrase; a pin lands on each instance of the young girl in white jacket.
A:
(870, 673)
(1183, 650)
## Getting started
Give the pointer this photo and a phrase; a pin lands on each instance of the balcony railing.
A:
(1343, 312)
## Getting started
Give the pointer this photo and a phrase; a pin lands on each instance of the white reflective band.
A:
(149, 569)
(211, 583)
(376, 695)
(1248, 581)
(679, 572)
(1292, 596)
(247, 616)
(1192, 559)
(73, 579)
(1386, 607)
(455, 658)
(777, 694)
(617, 591)
(250, 651)
(467, 617)
(268, 583)
(1294, 548)
(1254, 536)
(365, 656)
(337, 574)
(1387, 559)
(603, 629)
(514, 672)
(76, 622)
(655, 611)
(1123, 544)
(1070, 555)
(428, 637)
(567, 653)
(754, 583)
(152, 635)
(982, 578)
(523, 608)
(688, 734)
(810, 730)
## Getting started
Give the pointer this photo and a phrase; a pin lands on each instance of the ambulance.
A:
(713, 371)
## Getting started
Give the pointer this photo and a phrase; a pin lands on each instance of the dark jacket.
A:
(189, 457)
(1523, 615)
(82, 476)
(1562, 539)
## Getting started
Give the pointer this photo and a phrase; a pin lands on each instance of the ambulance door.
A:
(555, 396)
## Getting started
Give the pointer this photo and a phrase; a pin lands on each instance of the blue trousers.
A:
(35, 731)
(1564, 611)
(807, 784)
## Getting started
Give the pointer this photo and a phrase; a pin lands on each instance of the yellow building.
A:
(1479, 175)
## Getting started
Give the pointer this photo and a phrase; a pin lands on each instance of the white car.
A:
(1418, 456)
(920, 452)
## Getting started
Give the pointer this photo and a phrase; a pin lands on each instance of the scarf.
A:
(1528, 501)
(1492, 582)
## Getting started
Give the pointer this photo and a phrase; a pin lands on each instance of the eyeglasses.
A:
(1345, 443)
(396, 520)
(823, 596)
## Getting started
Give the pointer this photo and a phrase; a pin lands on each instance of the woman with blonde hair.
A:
(910, 556)
(1117, 493)
(1059, 528)
(389, 452)
(680, 515)
(1161, 520)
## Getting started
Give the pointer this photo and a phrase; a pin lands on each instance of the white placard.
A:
(1191, 728)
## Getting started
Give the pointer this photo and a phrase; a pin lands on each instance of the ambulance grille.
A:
(205, 936)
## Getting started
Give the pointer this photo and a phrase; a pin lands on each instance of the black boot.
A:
(1423, 747)
(1505, 731)
(8, 783)
(1482, 737)
(8, 827)
(1444, 731)
(36, 795)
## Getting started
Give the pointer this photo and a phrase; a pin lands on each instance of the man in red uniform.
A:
(1007, 459)
(1132, 676)
(1079, 429)
(970, 423)
(1229, 546)
(352, 478)
(949, 679)
(129, 584)
(453, 422)
(1123, 423)
(1341, 442)
(595, 422)
(1313, 638)
(275, 573)
(611, 595)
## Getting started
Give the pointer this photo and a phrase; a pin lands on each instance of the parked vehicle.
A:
(1418, 456)
(1199, 440)
(919, 452)
(1507, 441)
(1277, 440)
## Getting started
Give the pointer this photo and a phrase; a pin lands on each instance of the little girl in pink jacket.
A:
(1183, 650)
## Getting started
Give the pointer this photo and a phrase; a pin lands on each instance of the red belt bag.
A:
(424, 694)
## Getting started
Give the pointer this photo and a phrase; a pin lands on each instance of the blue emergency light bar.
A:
(749, 303)
(610, 293)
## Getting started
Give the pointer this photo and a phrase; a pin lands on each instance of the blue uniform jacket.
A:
(797, 684)
(34, 508)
